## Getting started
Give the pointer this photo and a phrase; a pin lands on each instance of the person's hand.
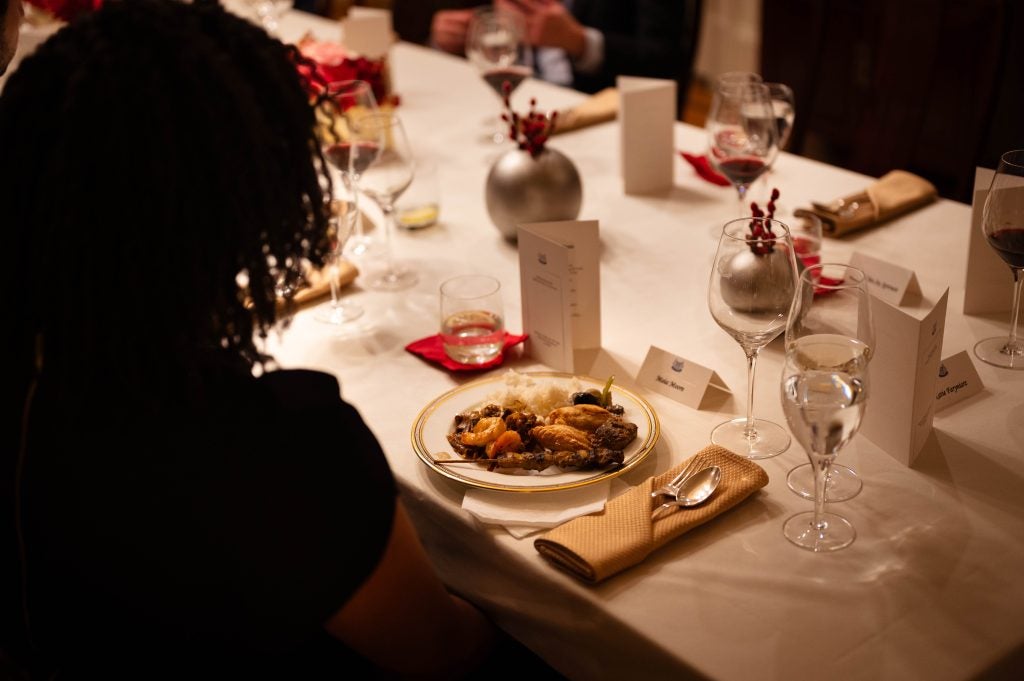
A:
(448, 29)
(550, 24)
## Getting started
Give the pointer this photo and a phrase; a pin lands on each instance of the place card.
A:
(891, 283)
(367, 31)
(958, 380)
(903, 373)
(988, 286)
(677, 378)
(647, 114)
(560, 286)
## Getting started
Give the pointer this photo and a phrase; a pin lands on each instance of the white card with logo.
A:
(677, 378)
(987, 287)
(560, 285)
(958, 380)
(367, 31)
(647, 115)
(903, 374)
(892, 283)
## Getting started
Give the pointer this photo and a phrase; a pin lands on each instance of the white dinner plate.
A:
(431, 428)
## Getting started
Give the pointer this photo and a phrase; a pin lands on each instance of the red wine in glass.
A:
(362, 155)
(742, 170)
(1009, 244)
(513, 75)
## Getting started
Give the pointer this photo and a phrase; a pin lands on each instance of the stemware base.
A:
(998, 352)
(834, 532)
(394, 279)
(842, 483)
(338, 313)
(764, 440)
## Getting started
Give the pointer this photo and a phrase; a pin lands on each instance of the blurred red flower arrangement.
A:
(67, 10)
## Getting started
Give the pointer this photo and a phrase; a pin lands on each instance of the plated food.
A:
(535, 432)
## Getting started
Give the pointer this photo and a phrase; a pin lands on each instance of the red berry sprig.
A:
(761, 237)
(530, 132)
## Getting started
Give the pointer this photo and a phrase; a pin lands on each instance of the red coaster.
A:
(704, 169)
(431, 348)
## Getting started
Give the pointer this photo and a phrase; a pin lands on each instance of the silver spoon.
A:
(695, 490)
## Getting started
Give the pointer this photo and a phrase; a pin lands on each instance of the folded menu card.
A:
(895, 193)
(560, 287)
(903, 373)
(595, 547)
(988, 287)
(598, 108)
(367, 31)
(647, 113)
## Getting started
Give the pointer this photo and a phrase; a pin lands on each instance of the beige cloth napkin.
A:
(895, 193)
(595, 547)
(598, 108)
(319, 283)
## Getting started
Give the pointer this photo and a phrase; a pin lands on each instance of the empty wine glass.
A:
(749, 295)
(384, 181)
(742, 136)
(784, 109)
(338, 311)
(270, 12)
(829, 343)
(494, 45)
(339, 105)
(1003, 222)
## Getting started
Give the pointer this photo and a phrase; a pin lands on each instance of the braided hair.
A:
(155, 154)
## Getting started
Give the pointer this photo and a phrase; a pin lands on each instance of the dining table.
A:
(932, 587)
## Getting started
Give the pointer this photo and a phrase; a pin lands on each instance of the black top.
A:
(208, 538)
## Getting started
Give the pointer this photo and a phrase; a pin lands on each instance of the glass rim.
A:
(786, 232)
(465, 278)
(1018, 158)
(858, 280)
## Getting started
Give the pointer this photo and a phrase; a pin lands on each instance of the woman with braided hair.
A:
(173, 506)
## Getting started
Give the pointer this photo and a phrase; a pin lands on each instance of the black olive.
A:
(586, 398)
(617, 409)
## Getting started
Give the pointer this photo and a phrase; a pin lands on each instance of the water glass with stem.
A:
(784, 109)
(1003, 222)
(829, 343)
(338, 311)
(752, 282)
(384, 181)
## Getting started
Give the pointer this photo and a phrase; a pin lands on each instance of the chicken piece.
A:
(615, 434)
(485, 431)
(560, 437)
(582, 416)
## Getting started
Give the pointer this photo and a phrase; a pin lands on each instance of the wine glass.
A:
(842, 482)
(338, 311)
(752, 283)
(494, 45)
(270, 12)
(384, 181)
(1003, 222)
(339, 105)
(829, 342)
(784, 110)
(742, 135)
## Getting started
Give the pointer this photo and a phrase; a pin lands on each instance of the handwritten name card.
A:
(560, 286)
(677, 378)
(958, 380)
(892, 283)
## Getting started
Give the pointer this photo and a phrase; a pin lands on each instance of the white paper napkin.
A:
(524, 514)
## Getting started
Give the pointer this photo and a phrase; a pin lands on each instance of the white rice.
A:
(540, 395)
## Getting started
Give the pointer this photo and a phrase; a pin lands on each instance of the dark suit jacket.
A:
(653, 38)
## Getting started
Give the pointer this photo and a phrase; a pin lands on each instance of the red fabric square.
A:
(431, 348)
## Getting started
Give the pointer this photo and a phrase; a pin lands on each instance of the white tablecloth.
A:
(931, 589)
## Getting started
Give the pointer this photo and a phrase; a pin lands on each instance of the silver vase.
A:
(521, 189)
(758, 283)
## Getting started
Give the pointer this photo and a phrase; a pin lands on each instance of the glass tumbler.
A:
(472, 318)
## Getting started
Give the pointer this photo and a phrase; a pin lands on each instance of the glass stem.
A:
(749, 431)
(1012, 346)
(821, 470)
(333, 272)
(356, 217)
(388, 208)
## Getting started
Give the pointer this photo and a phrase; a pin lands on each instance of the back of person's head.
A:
(151, 153)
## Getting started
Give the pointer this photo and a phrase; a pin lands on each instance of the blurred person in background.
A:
(11, 13)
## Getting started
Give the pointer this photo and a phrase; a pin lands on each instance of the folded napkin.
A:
(702, 165)
(431, 348)
(895, 193)
(318, 282)
(596, 547)
(524, 514)
(598, 108)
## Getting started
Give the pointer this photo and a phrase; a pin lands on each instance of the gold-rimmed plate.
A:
(431, 428)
